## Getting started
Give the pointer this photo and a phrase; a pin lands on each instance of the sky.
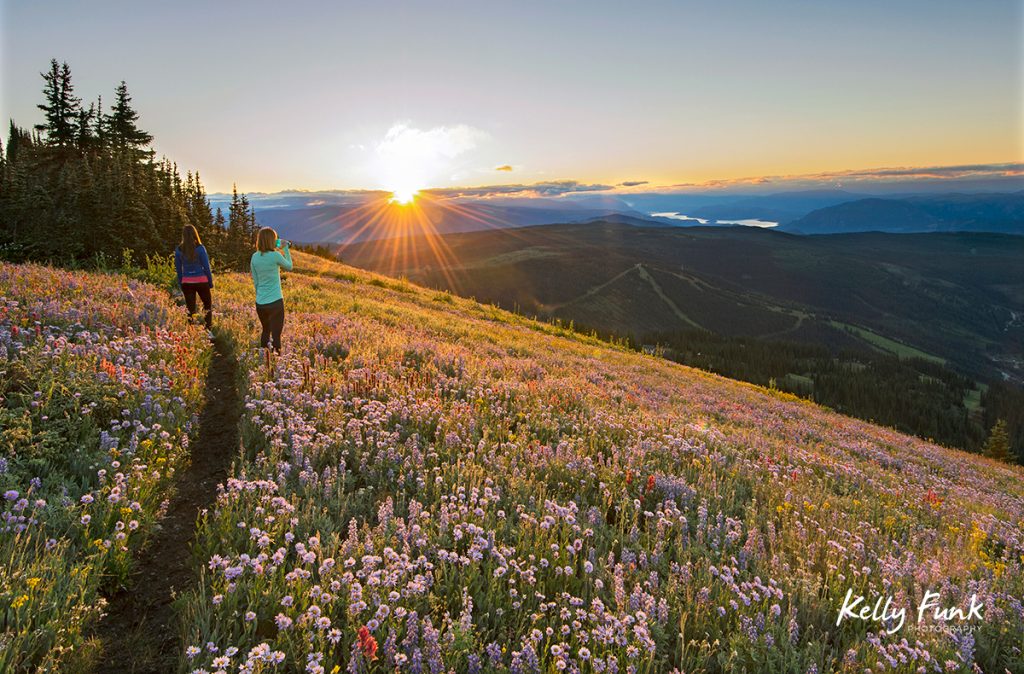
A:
(408, 95)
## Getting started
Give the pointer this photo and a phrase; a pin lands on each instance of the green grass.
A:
(972, 399)
(798, 379)
(887, 345)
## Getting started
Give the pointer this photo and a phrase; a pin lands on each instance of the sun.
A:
(403, 196)
(409, 160)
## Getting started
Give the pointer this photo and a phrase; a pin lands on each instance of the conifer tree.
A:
(238, 227)
(220, 225)
(85, 137)
(248, 220)
(998, 444)
(16, 138)
(61, 107)
(121, 125)
(200, 212)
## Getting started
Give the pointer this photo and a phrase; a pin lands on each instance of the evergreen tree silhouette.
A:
(121, 125)
(998, 444)
(60, 107)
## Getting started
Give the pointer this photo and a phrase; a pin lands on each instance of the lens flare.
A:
(403, 196)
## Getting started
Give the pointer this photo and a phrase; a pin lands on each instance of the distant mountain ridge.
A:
(349, 223)
(995, 213)
(782, 207)
(349, 217)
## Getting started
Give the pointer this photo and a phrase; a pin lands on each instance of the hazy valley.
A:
(942, 313)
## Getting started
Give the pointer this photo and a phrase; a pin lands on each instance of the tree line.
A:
(84, 184)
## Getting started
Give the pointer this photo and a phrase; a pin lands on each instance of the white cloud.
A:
(439, 142)
(410, 159)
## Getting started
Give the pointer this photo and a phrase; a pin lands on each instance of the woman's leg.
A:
(189, 291)
(277, 326)
(207, 298)
(263, 313)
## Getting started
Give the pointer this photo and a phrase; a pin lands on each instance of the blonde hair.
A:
(266, 240)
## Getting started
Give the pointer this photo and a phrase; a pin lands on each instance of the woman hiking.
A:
(270, 257)
(192, 265)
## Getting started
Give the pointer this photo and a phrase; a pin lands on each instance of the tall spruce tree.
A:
(60, 108)
(121, 125)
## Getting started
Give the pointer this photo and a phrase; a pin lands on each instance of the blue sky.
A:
(323, 95)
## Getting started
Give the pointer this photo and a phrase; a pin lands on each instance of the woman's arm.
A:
(255, 281)
(205, 259)
(177, 264)
(286, 258)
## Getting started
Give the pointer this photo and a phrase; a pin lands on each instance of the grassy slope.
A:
(733, 519)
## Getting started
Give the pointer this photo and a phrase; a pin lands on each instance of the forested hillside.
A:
(84, 185)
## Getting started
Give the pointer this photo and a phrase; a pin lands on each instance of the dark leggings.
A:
(272, 320)
(190, 290)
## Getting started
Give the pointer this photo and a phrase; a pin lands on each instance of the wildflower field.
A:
(428, 484)
(432, 485)
(99, 380)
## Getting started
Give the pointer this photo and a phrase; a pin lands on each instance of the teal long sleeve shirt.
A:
(266, 274)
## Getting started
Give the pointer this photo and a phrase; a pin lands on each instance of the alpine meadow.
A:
(674, 338)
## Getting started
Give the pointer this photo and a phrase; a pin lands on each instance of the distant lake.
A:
(749, 222)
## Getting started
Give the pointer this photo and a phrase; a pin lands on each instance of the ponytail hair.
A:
(189, 242)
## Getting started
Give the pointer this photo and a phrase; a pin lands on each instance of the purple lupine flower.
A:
(391, 647)
(493, 651)
(412, 634)
(432, 648)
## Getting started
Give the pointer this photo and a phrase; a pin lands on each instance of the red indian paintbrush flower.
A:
(367, 644)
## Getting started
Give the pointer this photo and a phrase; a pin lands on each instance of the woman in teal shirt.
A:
(270, 257)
